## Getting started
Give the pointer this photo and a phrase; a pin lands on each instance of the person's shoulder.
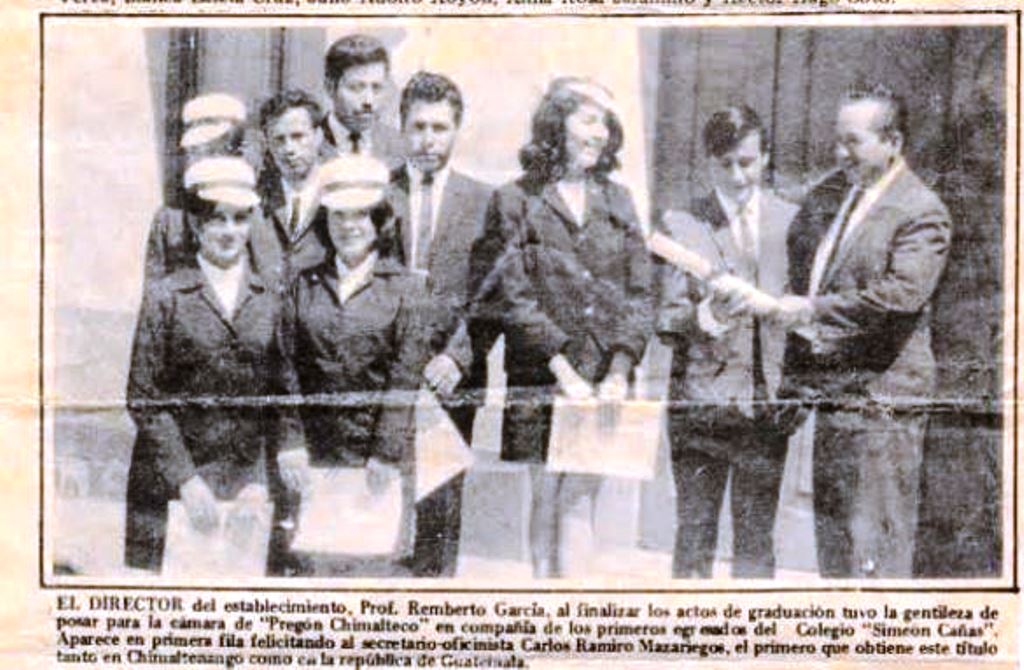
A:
(185, 279)
(471, 184)
(778, 207)
(920, 197)
(679, 223)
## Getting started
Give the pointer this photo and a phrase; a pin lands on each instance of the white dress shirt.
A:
(868, 198)
(351, 280)
(226, 282)
(416, 203)
(744, 220)
(342, 137)
(744, 224)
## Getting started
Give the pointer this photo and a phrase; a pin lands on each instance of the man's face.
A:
(737, 172)
(222, 236)
(359, 94)
(294, 143)
(863, 151)
(430, 131)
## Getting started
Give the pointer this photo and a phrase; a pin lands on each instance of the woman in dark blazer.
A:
(201, 359)
(357, 332)
(562, 270)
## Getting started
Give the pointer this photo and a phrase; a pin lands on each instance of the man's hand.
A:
(614, 388)
(573, 385)
(730, 297)
(294, 467)
(442, 374)
(200, 504)
(379, 475)
(793, 311)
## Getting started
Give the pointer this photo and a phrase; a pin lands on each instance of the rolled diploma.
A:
(696, 265)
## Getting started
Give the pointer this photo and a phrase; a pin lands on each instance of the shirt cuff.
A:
(707, 321)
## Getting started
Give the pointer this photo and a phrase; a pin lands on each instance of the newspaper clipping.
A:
(510, 333)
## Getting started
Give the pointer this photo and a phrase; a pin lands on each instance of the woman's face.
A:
(586, 136)
(353, 234)
(224, 234)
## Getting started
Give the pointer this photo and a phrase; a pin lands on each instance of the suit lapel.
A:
(715, 225)
(553, 200)
(399, 197)
(771, 261)
(862, 223)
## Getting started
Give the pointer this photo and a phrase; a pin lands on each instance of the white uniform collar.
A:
(226, 282)
(351, 280)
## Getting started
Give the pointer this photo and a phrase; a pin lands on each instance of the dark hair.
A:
(728, 127)
(896, 110)
(197, 207)
(431, 87)
(543, 158)
(382, 218)
(276, 106)
(350, 51)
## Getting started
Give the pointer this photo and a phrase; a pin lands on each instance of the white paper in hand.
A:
(591, 437)
(441, 453)
(340, 515)
(237, 547)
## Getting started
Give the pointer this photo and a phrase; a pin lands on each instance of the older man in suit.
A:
(357, 72)
(866, 254)
(727, 363)
(439, 212)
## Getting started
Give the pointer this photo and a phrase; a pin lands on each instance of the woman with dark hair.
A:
(356, 334)
(562, 270)
(213, 124)
(203, 354)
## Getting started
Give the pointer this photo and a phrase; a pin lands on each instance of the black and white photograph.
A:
(635, 300)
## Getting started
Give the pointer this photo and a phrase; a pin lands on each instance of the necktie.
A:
(424, 222)
(293, 219)
(748, 248)
(354, 137)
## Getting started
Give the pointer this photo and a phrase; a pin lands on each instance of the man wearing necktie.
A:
(357, 76)
(727, 363)
(439, 213)
(290, 239)
(866, 254)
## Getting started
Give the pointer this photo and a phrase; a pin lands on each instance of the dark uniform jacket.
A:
(553, 287)
(716, 375)
(345, 358)
(196, 387)
(872, 312)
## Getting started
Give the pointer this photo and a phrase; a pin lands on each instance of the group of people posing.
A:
(293, 310)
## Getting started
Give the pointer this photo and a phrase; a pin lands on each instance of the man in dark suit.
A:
(357, 74)
(290, 237)
(866, 253)
(727, 363)
(438, 213)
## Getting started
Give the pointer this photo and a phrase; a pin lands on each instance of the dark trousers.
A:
(438, 526)
(700, 467)
(866, 484)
